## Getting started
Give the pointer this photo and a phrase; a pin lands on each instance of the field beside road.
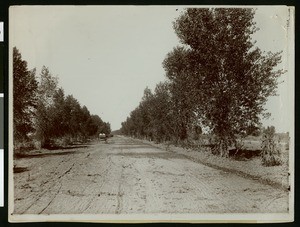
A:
(127, 176)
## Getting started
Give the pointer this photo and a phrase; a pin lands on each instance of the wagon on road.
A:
(103, 136)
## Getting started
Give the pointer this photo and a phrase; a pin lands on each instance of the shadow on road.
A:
(162, 155)
(40, 155)
(66, 147)
(20, 169)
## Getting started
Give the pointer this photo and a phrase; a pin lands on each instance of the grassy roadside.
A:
(276, 176)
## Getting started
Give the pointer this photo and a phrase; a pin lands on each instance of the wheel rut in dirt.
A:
(123, 177)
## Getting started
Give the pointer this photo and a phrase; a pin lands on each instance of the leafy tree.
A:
(92, 125)
(231, 78)
(84, 122)
(58, 120)
(98, 126)
(127, 126)
(139, 124)
(105, 128)
(145, 109)
(254, 130)
(177, 65)
(47, 88)
(24, 96)
(163, 114)
(152, 119)
(41, 107)
(72, 110)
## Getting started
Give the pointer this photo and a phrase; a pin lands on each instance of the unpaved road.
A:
(126, 176)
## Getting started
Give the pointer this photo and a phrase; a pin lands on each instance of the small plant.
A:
(239, 145)
(270, 154)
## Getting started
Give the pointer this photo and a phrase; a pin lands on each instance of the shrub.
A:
(270, 154)
(287, 146)
(23, 147)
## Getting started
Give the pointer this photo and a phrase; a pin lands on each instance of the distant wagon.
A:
(102, 136)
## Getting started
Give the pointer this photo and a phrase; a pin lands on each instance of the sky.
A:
(106, 56)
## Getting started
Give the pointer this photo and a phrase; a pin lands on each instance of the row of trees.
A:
(42, 111)
(217, 80)
(158, 117)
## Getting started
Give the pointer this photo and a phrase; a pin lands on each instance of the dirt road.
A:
(126, 176)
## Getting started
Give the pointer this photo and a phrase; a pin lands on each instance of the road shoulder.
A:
(275, 176)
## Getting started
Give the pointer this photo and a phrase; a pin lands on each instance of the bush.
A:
(287, 146)
(270, 154)
(21, 148)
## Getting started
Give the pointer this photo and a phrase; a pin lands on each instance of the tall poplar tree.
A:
(226, 77)
(24, 97)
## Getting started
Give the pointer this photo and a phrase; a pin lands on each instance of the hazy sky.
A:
(106, 56)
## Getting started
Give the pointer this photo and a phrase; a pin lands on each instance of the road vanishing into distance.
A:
(126, 176)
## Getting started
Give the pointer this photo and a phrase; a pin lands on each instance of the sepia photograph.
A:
(151, 113)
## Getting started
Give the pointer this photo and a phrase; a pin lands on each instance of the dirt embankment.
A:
(276, 176)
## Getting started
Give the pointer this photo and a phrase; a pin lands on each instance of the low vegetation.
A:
(271, 154)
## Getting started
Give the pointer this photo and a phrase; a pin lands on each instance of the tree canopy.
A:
(217, 78)
(24, 93)
(231, 78)
(42, 110)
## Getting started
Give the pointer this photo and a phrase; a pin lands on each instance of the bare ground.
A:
(276, 176)
(127, 176)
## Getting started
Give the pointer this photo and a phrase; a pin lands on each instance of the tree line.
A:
(217, 81)
(43, 113)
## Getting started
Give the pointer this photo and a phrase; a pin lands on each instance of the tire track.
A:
(120, 194)
(140, 180)
(48, 185)
(104, 173)
(51, 200)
